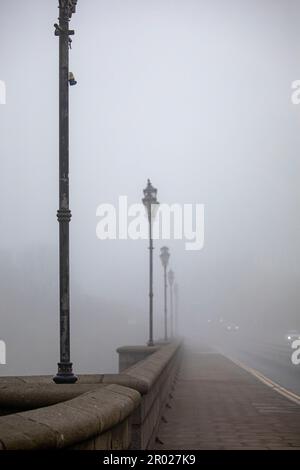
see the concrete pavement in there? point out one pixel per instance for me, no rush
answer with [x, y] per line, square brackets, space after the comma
[218, 405]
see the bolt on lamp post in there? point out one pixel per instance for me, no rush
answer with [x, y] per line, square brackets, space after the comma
[171, 278]
[165, 256]
[151, 205]
[66, 9]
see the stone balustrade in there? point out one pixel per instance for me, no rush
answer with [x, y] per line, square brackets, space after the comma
[108, 411]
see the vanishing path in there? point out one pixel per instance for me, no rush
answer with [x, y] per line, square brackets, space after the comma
[218, 405]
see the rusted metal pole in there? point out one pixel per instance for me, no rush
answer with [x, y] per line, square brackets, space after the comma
[65, 370]
[164, 257]
[150, 342]
[176, 295]
[150, 202]
[172, 311]
[171, 278]
[165, 303]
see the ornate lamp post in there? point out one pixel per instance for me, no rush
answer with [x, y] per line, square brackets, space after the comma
[151, 204]
[176, 294]
[164, 256]
[171, 278]
[66, 9]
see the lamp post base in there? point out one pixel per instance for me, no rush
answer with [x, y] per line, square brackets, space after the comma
[65, 374]
[150, 343]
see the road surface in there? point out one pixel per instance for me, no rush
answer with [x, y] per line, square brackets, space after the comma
[271, 358]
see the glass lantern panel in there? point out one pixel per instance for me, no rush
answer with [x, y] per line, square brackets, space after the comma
[154, 210]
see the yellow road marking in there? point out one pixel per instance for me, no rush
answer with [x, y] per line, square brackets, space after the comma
[275, 386]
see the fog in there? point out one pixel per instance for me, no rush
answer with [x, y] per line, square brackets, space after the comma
[195, 95]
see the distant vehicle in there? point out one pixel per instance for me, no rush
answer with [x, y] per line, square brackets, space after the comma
[292, 336]
[232, 327]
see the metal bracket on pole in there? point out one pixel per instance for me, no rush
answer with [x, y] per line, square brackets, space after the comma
[58, 31]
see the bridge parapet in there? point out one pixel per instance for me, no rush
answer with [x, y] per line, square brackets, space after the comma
[98, 419]
[158, 371]
[100, 411]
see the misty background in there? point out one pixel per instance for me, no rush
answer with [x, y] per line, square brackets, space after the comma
[195, 95]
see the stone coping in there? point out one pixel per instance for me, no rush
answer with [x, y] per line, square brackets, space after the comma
[139, 348]
[150, 368]
[68, 423]
[27, 393]
[21, 393]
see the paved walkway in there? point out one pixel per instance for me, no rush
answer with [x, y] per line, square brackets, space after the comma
[218, 405]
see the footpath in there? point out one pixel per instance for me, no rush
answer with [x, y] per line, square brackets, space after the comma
[216, 404]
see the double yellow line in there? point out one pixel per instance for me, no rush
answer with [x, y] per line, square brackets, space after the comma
[275, 386]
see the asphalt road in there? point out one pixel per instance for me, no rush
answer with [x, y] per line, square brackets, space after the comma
[272, 359]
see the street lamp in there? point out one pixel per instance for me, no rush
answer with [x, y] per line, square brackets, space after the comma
[171, 278]
[66, 9]
[151, 205]
[165, 256]
[176, 295]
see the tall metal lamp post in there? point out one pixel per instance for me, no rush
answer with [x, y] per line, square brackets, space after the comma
[151, 205]
[66, 9]
[176, 295]
[165, 256]
[171, 278]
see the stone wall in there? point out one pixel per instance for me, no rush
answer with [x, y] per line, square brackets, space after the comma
[158, 372]
[97, 419]
[108, 411]
[130, 355]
